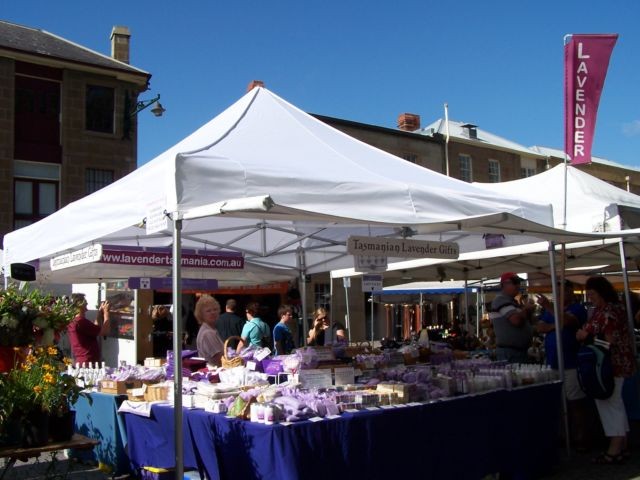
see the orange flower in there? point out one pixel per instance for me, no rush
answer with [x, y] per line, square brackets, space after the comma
[52, 351]
[48, 378]
[37, 389]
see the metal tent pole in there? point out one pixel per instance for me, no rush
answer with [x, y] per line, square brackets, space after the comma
[302, 267]
[177, 348]
[557, 310]
[466, 306]
[627, 293]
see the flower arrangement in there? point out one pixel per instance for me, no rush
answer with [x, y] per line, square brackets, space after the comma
[30, 316]
[38, 385]
[40, 382]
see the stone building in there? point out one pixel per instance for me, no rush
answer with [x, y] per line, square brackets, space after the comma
[67, 120]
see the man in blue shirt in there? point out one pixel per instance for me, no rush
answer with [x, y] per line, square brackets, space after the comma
[282, 338]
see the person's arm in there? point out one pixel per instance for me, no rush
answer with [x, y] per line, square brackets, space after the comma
[544, 327]
[318, 326]
[243, 341]
[212, 348]
[104, 312]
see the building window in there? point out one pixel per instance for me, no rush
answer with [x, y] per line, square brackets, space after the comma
[321, 296]
[410, 157]
[96, 178]
[99, 104]
[494, 171]
[33, 200]
[37, 120]
[527, 167]
[466, 171]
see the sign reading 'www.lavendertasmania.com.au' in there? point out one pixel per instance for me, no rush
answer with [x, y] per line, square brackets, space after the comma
[399, 247]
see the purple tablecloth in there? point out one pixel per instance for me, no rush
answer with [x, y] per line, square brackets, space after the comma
[514, 432]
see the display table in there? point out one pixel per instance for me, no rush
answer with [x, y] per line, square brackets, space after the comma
[514, 432]
[99, 419]
[151, 439]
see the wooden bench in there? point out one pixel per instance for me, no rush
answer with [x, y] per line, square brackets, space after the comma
[23, 454]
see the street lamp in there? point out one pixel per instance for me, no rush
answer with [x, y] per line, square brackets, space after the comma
[157, 110]
[131, 110]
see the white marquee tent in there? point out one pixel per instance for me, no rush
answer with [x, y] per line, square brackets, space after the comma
[264, 178]
[268, 180]
[592, 204]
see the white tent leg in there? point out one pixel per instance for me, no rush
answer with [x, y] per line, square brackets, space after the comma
[177, 347]
[557, 311]
[627, 296]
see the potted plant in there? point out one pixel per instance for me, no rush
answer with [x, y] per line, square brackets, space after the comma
[35, 393]
[29, 317]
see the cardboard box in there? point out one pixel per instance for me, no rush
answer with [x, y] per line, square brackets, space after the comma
[118, 387]
[154, 362]
[156, 392]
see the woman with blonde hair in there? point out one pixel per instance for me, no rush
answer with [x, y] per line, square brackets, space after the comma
[317, 335]
[209, 344]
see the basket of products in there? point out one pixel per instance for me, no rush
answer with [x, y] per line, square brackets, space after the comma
[231, 362]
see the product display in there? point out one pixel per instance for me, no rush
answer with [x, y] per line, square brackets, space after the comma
[317, 382]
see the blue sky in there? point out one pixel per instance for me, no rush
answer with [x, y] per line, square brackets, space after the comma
[498, 63]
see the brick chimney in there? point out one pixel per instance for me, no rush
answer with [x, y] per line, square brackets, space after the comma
[120, 37]
[409, 122]
[255, 83]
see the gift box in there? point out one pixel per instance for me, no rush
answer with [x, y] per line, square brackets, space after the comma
[118, 387]
[156, 392]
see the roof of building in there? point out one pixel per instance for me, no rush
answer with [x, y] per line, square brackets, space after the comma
[44, 44]
[367, 126]
[554, 152]
[458, 131]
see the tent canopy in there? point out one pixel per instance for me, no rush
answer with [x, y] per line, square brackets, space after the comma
[266, 179]
[593, 205]
[426, 288]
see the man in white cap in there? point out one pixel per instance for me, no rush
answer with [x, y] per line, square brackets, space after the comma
[510, 321]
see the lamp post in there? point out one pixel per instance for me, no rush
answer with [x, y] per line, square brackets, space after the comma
[131, 111]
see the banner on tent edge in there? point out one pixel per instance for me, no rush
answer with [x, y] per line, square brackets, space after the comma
[164, 258]
[166, 283]
[402, 247]
[89, 254]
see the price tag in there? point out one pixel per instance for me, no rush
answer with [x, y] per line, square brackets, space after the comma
[251, 365]
[285, 424]
[352, 410]
[373, 408]
[331, 417]
[316, 419]
[262, 354]
[387, 406]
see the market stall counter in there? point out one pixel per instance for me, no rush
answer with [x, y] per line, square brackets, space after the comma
[509, 431]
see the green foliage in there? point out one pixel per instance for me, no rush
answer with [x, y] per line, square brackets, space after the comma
[38, 383]
[28, 315]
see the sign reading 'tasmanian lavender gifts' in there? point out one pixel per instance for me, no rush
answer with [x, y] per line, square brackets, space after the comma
[401, 247]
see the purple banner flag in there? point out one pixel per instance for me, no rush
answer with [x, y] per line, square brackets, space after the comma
[586, 59]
